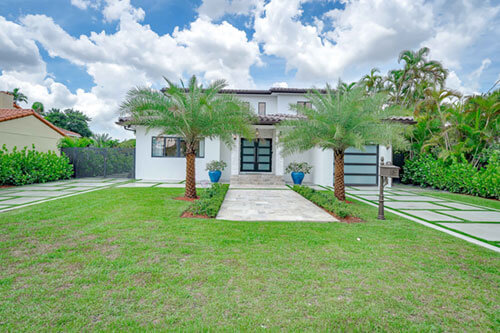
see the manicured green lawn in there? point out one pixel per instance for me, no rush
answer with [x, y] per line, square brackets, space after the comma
[465, 199]
[122, 259]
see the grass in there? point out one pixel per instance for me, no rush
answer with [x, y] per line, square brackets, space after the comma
[122, 259]
[467, 199]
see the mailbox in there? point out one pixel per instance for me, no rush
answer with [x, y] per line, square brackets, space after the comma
[389, 170]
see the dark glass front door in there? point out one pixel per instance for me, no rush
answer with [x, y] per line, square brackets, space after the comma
[256, 155]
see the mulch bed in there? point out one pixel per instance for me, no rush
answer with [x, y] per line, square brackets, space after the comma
[186, 199]
[191, 215]
[6, 186]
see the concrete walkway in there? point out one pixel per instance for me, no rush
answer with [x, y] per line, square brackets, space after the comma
[22, 196]
[247, 204]
[473, 220]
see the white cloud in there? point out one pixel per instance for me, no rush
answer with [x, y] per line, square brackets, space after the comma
[122, 10]
[471, 83]
[133, 55]
[84, 4]
[364, 32]
[215, 9]
[280, 85]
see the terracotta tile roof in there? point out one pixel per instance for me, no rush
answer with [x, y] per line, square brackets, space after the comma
[270, 119]
[403, 119]
[269, 91]
[276, 118]
[69, 133]
[9, 114]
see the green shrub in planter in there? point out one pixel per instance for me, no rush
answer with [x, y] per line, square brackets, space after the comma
[210, 200]
[20, 167]
[326, 200]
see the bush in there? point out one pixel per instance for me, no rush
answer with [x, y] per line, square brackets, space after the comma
[299, 167]
[31, 166]
[210, 200]
[216, 166]
[325, 200]
[454, 176]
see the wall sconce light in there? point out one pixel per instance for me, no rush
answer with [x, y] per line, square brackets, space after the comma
[256, 133]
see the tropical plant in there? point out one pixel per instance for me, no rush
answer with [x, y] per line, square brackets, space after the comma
[38, 107]
[69, 119]
[372, 82]
[299, 167]
[69, 142]
[419, 73]
[28, 166]
[338, 121]
[19, 96]
[193, 112]
[215, 166]
[130, 143]
[104, 140]
[344, 87]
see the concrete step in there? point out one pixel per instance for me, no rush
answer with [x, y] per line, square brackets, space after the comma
[257, 179]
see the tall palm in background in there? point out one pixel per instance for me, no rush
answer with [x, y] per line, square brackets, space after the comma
[104, 140]
[373, 82]
[407, 85]
[38, 107]
[19, 96]
[337, 121]
[193, 113]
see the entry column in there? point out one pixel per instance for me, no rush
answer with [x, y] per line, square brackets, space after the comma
[279, 169]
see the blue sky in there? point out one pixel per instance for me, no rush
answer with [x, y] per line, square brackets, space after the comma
[86, 54]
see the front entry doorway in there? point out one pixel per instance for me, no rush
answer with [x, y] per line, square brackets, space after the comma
[256, 155]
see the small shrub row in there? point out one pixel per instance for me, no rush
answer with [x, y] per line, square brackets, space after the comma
[20, 167]
[325, 200]
[454, 176]
[210, 200]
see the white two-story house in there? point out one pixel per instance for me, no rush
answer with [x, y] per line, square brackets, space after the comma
[160, 157]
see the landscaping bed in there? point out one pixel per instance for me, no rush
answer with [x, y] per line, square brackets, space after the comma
[326, 200]
[209, 202]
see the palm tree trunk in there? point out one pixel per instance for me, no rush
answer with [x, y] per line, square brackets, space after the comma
[339, 186]
[190, 175]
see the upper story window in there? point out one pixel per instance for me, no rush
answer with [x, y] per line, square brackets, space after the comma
[304, 103]
[262, 108]
[163, 146]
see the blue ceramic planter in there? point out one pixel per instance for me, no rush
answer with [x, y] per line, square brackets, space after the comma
[214, 176]
[297, 177]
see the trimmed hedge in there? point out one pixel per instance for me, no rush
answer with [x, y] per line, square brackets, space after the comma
[210, 200]
[20, 167]
[325, 200]
[454, 176]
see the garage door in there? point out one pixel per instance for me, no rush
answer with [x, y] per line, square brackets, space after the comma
[360, 167]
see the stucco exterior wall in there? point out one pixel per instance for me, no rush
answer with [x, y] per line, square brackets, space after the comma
[169, 168]
[28, 131]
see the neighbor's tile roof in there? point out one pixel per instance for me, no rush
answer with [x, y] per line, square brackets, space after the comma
[9, 114]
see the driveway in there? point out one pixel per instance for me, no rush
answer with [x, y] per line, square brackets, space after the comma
[247, 204]
[22, 196]
[473, 220]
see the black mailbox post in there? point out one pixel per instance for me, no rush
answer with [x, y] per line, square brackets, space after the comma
[387, 170]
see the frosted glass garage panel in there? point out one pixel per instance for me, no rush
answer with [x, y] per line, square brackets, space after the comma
[368, 169]
[365, 180]
[360, 158]
[368, 150]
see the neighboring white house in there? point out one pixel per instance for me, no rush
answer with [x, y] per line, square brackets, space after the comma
[160, 157]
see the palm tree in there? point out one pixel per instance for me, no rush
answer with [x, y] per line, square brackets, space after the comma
[194, 113]
[435, 104]
[344, 87]
[38, 107]
[337, 121]
[373, 81]
[104, 140]
[19, 96]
